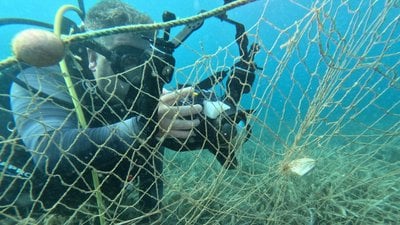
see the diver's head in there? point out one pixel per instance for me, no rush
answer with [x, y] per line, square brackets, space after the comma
[123, 69]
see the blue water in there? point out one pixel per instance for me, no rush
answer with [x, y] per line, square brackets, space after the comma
[363, 104]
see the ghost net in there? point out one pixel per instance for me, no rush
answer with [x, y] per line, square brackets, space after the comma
[324, 143]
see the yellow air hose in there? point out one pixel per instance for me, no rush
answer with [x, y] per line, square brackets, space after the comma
[63, 65]
[75, 99]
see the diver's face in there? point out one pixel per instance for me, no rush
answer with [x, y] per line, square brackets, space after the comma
[115, 78]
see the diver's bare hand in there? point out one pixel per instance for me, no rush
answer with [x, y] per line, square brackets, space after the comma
[171, 116]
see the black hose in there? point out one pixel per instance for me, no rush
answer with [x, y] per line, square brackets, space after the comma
[82, 8]
[12, 21]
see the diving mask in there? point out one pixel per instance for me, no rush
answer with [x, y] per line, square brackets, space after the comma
[124, 57]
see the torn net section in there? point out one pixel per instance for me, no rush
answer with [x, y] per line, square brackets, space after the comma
[328, 90]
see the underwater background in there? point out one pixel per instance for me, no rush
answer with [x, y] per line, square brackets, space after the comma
[329, 89]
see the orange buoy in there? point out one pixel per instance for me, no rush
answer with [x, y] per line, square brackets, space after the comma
[38, 47]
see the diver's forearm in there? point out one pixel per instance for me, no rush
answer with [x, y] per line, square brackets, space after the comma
[68, 150]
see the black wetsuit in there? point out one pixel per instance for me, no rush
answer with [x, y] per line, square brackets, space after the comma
[63, 152]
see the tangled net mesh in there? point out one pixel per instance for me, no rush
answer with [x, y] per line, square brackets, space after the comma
[329, 90]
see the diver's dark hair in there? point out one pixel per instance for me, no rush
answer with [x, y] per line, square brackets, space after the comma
[112, 13]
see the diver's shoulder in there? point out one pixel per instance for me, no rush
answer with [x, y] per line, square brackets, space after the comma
[47, 80]
[49, 73]
[43, 77]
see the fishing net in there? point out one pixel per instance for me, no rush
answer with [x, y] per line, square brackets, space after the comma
[327, 95]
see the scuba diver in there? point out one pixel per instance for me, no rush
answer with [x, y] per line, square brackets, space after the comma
[130, 117]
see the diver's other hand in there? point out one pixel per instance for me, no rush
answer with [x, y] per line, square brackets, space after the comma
[171, 116]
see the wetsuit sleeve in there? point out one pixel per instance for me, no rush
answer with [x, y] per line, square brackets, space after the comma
[51, 131]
